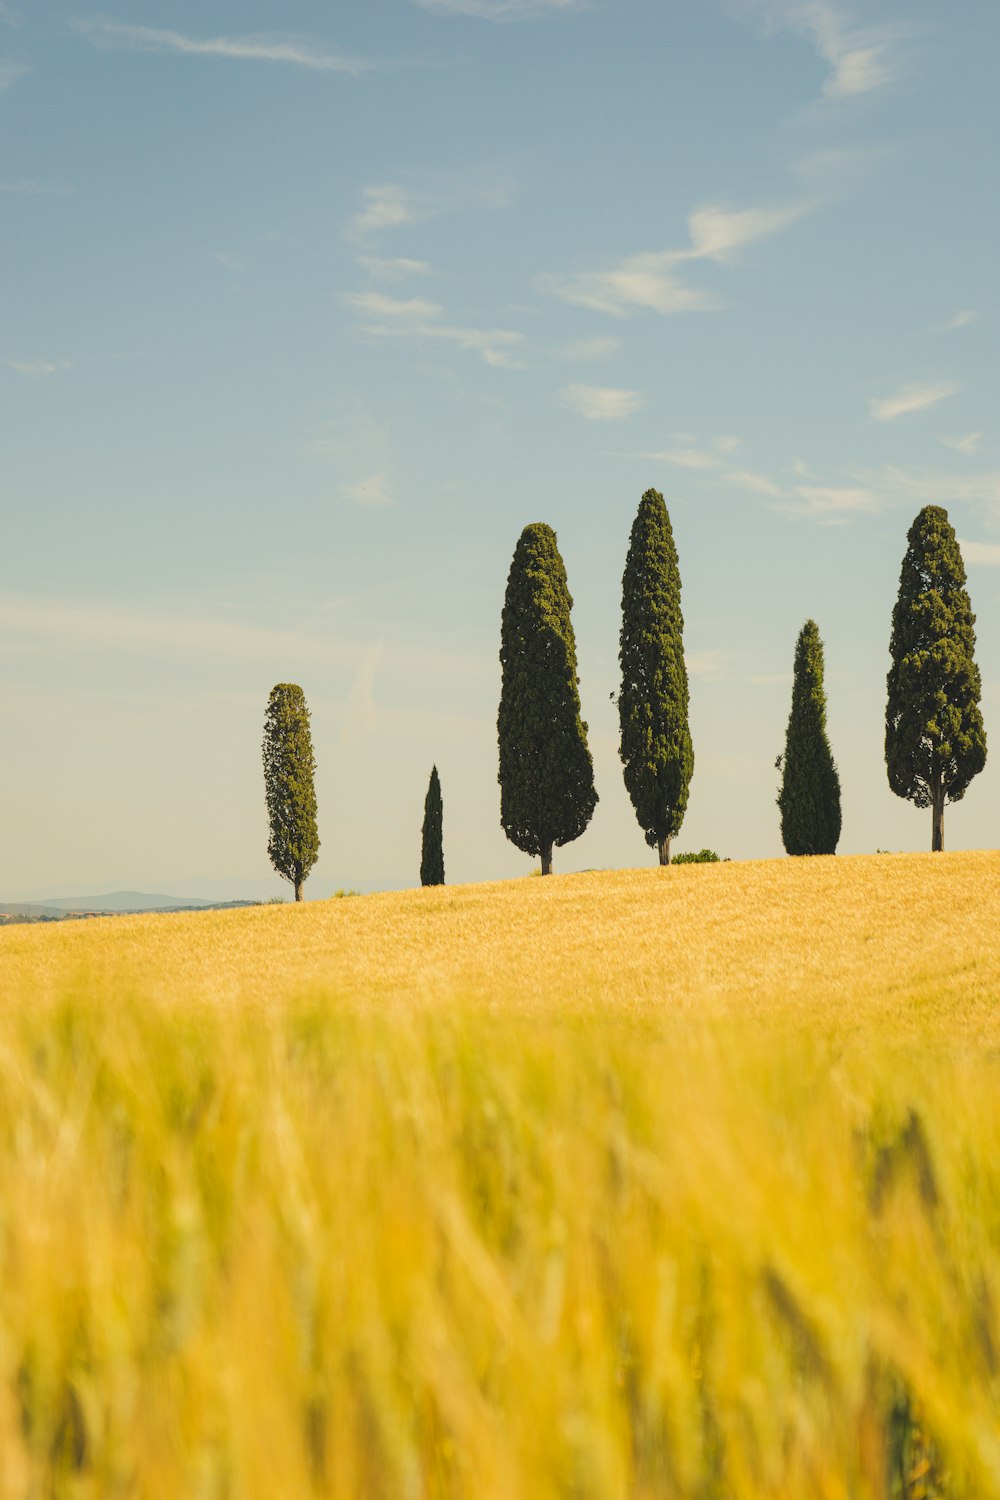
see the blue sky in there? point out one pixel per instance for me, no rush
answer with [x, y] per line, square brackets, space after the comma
[308, 309]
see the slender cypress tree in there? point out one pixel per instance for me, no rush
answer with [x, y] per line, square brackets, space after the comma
[289, 767]
[546, 774]
[810, 787]
[432, 846]
[656, 750]
[935, 742]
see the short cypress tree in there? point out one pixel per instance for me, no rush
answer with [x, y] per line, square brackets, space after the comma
[935, 742]
[810, 787]
[656, 751]
[432, 846]
[289, 768]
[546, 775]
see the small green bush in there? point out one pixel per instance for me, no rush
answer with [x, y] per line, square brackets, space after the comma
[703, 857]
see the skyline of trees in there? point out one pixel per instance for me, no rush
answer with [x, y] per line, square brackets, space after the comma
[935, 741]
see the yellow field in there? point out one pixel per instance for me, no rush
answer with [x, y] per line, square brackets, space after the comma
[630, 1184]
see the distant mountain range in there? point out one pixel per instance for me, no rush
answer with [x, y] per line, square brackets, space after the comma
[54, 908]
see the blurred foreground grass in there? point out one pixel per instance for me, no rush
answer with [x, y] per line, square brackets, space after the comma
[637, 1184]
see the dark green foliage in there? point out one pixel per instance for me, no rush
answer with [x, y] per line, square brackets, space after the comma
[809, 798]
[432, 846]
[289, 767]
[546, 774]
[935, 742]
[656, 750]
[703, 857]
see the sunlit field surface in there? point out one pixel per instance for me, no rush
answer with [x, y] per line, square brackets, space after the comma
[626, 1184]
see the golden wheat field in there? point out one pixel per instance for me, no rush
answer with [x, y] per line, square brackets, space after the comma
[676, 1183]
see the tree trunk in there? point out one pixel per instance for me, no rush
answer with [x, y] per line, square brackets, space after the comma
[298, 890]
[663, 849]
[937, 823]
[546, 859]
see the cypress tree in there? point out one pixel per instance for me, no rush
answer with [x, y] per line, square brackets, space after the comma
[935, 742]
[810, 787]
[656, 751]
[546, 774]
[432, 847]
[289, 767]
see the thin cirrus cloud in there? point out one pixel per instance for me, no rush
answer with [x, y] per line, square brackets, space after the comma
[370, 493]
[38, 369]
[980, 554]
[911, 398]
[962, 319]
[297, 51]
[391, 205]
[499, 10]
[597, 403]
[859, 59]
[650, 280]
[968, 444]
[396, 268]
[10, 73]
[416, 318]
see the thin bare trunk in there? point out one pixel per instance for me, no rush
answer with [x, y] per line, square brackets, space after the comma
[547, 859]
[937, 823]
[663, 849]
[298, 890]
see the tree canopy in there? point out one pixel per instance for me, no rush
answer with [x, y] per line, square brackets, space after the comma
[546, 775]
[935, 742]
[810, 788]
[656, 750]
[289, 769]
[432, 843]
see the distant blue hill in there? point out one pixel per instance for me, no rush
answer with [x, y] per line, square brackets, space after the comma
[118, 902]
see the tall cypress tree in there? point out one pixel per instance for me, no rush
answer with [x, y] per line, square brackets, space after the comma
[810, 787]
[656, 750]
[546, 774]
[935, 742]
[432, 846]
[289, 767]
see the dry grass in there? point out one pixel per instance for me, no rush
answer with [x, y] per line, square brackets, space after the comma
[630, 1184]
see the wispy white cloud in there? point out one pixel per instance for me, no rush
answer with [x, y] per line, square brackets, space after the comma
[499, 10]
[831, 502]
[601, 403]
[370, 493]
[935, 487]
[37, 369]
[396, 268]
[717, 232]
[970, 443]
[685, 458]
[770, 679]
[388, 206]
[980, 554]
[860, 59]
[361, 713]
[640, 281]
[599, 347]
[757, 484]
[258, 47]
[395, 205]
[416, 318]
[650, 280]
[910, 399]
[10, 72]
[962, 319]
[707, 663]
